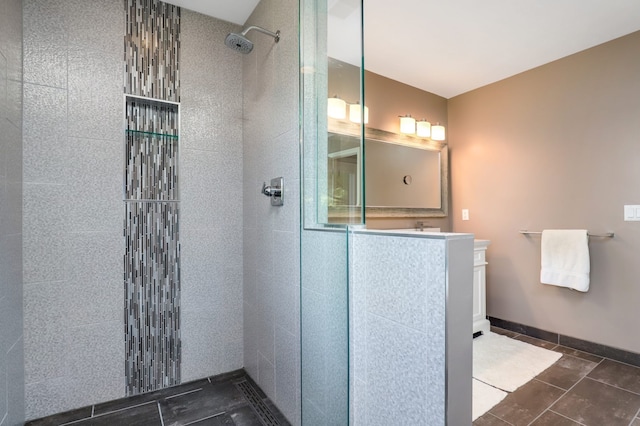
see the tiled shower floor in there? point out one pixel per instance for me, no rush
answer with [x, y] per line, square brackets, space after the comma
[579, 389]
[231, 399]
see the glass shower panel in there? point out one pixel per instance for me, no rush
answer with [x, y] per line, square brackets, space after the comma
[333, 93]
[332, 200]
[324, 328]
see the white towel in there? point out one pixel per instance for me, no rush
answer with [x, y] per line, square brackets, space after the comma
[565, 258]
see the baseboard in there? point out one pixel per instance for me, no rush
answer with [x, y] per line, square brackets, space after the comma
[571, 342]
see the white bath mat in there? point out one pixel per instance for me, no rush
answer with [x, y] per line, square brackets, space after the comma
[485, 397]
[504, 364]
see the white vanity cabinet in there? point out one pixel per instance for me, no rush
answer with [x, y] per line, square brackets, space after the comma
[480, 321]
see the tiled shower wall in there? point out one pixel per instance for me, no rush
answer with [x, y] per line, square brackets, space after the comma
[271, 234]
[11, 314]
[73, 204]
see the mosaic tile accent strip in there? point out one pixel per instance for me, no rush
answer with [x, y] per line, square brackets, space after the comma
[152, 296]
[152, 49]
[151, 224]
[151, 169]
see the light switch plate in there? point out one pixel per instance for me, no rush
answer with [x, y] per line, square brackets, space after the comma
[631, 213]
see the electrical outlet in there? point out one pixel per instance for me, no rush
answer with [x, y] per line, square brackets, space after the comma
[465, 214]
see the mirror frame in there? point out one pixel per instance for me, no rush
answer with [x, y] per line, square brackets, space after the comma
[355, 130]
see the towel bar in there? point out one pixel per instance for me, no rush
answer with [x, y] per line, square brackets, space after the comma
[607, 235]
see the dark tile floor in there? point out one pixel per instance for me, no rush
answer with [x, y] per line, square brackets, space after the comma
[579, 389]
[231, 399]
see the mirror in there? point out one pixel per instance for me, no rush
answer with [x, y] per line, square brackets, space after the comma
[404, 176]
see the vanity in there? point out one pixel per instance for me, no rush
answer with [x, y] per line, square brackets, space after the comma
[480, 321]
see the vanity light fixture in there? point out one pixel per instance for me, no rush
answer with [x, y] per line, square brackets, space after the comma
[355, 113]
[407, 124]
[423, 128]
[437, 132]
[336, 108]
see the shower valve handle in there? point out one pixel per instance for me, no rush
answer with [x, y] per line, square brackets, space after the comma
[271, 191]
[275, 191]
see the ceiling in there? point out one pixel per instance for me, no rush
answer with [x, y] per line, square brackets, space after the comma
[451, 47]
[235, 11]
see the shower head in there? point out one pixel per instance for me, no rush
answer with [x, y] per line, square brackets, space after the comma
[238, 42]
[242, 44]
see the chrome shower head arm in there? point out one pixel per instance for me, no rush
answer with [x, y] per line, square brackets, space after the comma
[275, 35]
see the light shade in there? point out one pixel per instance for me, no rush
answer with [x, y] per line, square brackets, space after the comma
[355, 113]
[336, 108]
[423, 129]
[407, 125]
[437, 132]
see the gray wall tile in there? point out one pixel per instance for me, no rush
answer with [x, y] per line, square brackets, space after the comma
[93, 267]
[266, 375]
[314, 351]
[11, 222]
[212, 128]
[44, 222]
[3, 88]
[211, 342]
[397, 290]
[15, 384]
[287, 281]
[95, 25]
[3, 380]
[44, 331]
[287, 378]
[94, 191]
[50, 63]
[13, 167]
[13, 292]
[45, 43]
[11, 286]
[45, 134]
[208, 199]
[11, 37]
[13, 106]
[95, 93]
[250, 326]
[396, 356]
[94, 362]
[47, 397]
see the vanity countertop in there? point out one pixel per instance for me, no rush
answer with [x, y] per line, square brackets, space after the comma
[433, 233]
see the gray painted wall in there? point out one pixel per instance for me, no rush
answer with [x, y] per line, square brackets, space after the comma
[555, 147]
[11, 312]
[271, 234]
[73, 209]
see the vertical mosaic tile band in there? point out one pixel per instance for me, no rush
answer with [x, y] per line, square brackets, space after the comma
[152, 311]
[151, 49]
[151, 224]
[152, 254]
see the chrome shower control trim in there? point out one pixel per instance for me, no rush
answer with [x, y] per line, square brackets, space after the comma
[275, 191]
